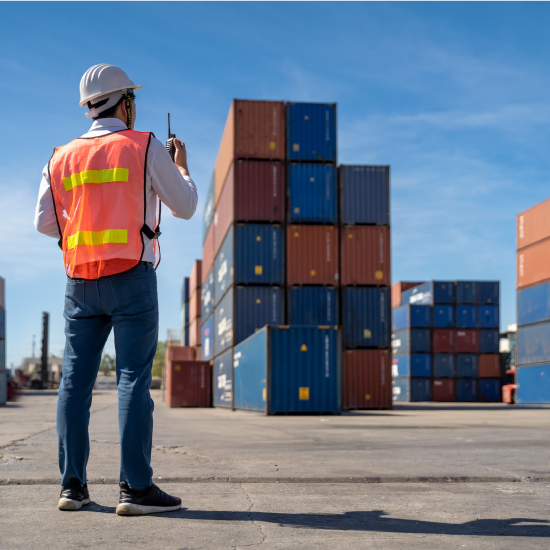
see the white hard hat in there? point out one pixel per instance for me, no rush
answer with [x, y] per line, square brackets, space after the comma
[105, 82]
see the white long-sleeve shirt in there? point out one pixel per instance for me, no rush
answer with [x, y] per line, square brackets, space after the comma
[163, 179]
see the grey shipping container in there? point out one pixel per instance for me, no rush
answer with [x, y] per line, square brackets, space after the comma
[222, 380]
[533, 344]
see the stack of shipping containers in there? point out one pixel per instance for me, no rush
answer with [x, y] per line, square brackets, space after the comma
[446, 341]
[533, 303]
[195, 309]
[185, 312]
[3, 375]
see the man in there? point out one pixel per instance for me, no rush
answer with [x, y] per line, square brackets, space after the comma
[100, 196]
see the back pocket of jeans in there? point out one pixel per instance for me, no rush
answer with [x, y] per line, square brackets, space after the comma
[75, 299]
[133, 296]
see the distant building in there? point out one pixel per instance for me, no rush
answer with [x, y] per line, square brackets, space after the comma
[30, 367]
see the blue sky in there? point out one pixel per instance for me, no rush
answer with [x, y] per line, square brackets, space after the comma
[453, 96]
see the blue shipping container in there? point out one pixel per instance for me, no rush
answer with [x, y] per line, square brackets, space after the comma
[489, 292]
[467, 292]
[414, 340]
[312, 193]
[443, 316]
[401, 390]
[186, 341]
[433, 292]
[444, 365]
[222, 380]
[364, 195]
[534, 304]
[185, 290]
[366, 317]
[411, 316]
[207, 294]
[186, 314]
[466, 316]
[489, 341]
[488, 316]
[533, 344]
[411, 389]
[401, 366]
[289, 370]
[208, 209]
[313, 305]
[466, 365]
[207, 340]
[311, 131]
[2, 324]
[533, 385]
[466, 390]
[490, 390]
[416, 365]
[244, 310]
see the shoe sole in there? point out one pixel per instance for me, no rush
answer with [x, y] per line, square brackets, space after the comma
[140, 510]
[69, 505]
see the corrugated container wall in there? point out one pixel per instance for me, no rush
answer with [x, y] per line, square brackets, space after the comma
[207, 294]
[433, 292]
[311, 131]
[195, 278]
[208, 252]
[208, 210]
[533, 344]
[2, 324]
[533, 225]
[466, 390]
[195, 305]
[365, 255]
[312, 255]
[411, 316]
[189, 384]
[312, 305]
[222, 380]
[533, 264]
[397, 289]
[534, 304]
[414, 340]
[489, 365]
[207, 339]
[364, 195]
[489, 292]
[467, 292]
[533, 384]
[490, 390]
[443, 340]
[195, 333]
[444, 390]
[185, 290]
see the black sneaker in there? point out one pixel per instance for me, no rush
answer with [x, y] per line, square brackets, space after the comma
[147, 501]
[73, 496]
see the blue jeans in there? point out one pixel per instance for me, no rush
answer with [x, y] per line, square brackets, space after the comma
[128, 303]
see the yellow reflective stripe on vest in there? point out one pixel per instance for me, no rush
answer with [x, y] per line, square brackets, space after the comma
[95, 176]
[94, 238]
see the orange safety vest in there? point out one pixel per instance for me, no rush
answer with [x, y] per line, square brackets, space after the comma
[98, 188]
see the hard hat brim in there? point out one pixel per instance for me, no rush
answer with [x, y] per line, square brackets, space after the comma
[84, 102]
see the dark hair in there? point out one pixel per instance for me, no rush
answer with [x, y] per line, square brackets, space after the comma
[108, 113]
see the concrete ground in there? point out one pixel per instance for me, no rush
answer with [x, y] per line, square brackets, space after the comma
[421, 476]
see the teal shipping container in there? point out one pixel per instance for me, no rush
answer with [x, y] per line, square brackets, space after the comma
[286, 370]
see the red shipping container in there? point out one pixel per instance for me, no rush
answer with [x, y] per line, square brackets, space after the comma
[195, 279]
[533, 264]
[195, 335]
[207, 253]
[533, 225]
[254, 191]
[365, 255]
[444, 390]
[195, 305]
[443, 340]
[254, 130]
[179, 353]
[488, 365]
[397, 289]
[367, 379]
[466, 341]
[312, 255]
[189, 384]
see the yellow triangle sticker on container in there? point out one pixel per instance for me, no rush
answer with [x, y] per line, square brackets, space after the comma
[379, 275]
[350, 235]
[272, 145]
[258, 270]
[303, 348]
[367, 397]
[296, 234]
[258, 301]
[264, 394]
[304, 394]
[296, 147]
[177, 367]
[367, 333]
[258, 238]
[312, 272]
[312, 179]
[296, 210]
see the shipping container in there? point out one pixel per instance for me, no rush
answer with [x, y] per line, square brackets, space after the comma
[401, 390]
[195, 333]
[207, 340]
[311, 192]
[208, 252]
[254, 130]
[489, 292]
[179, 353]
[365, 255]
[466, 316]
[311, 131]
[467, 292]
[443, 340]
[289, 370]
[415, 365]
[467, 365]
[195, 279]
[185, 290]
[208, 210]
[222, 380]
[414, 340]
[207, 294]
[2, 355]
[195, 304]
[366, 317]
[533, 385]
[467, 341]
[533, 225]
[397, 289]
[534, 304]
[366, 379]
[411, 390]
[189, 384]
[312, 305]
[364, 195]
[488, 316]
[443, 316]
[411, 316]
[244, 310]
[444, 390]
[489, 341]
[490, 390]
[186, 339]
[489, 365]
[433, 292]
[444, 365]
[533, 264]
[533, 344]
[312, 255]
[466, 390]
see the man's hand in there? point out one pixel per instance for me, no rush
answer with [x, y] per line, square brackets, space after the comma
[180, 157]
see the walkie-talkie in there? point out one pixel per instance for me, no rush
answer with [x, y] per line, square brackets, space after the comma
[170, 147]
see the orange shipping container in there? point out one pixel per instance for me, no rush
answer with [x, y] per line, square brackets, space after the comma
[195, 279]
[533, 264]
[312, 255]
[195, 303]
[488, 365]
[365, 255]
[189, 384]
[254, 130]
[207, 253]
[533, 225]
[223, 215]
[367, 379]
[397, 289]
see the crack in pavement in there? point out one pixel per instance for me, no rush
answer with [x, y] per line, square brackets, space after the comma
[251, 515]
